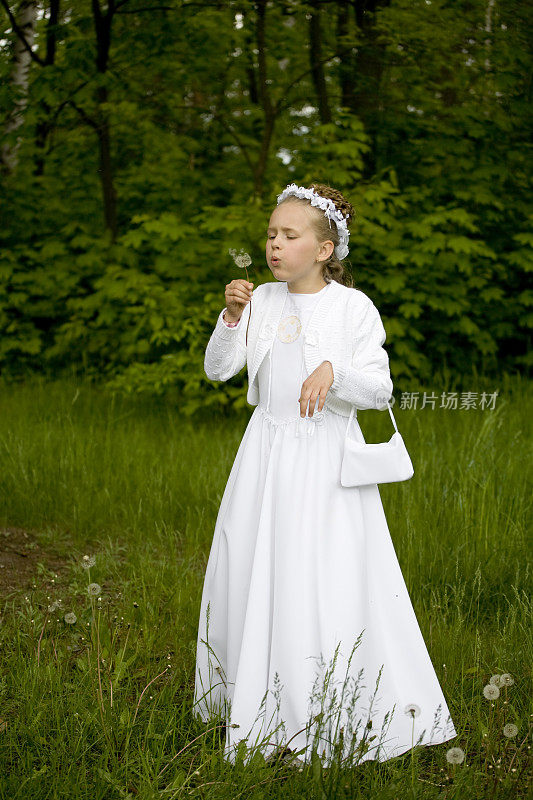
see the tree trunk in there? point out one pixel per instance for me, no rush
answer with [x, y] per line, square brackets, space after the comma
[19, 80]
[43, 127]
[367, 75]
[102, 26]
[264, 97]
[346, 69]
[106, 170]
[317, 68]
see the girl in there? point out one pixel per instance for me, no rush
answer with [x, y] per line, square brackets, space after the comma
[307, 634]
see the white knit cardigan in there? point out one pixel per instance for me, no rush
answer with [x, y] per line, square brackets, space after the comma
[345, 329]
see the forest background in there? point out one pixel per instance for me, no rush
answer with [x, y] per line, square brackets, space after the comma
[143, 140]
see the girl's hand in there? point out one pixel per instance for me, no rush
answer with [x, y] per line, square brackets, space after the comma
[238, 294]
[317, 383]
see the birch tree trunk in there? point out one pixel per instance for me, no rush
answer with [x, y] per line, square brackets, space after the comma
[25, 18]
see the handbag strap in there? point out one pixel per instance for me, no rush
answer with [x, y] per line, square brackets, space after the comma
[390, 412]
[392, 417]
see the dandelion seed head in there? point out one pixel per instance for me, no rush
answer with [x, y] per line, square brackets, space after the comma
[70, 618]
[491, 691]
[88, 561]
[412, 709]
[495, 680]
[510, 730]
[94, 589]
[506, 679]
[241, 258]
[455, 755]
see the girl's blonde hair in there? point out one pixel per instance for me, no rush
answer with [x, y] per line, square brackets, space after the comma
[332, 269]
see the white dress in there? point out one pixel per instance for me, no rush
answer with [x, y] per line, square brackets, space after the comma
[302, 569]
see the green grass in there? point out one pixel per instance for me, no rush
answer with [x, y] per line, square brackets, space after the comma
[137, 484]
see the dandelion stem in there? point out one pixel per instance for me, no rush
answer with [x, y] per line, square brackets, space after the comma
[524, 740]
[242, 260]
[143, 691]
[40, 637]
[98, 691]
[250, 315]
[100, 694]
[412, 754]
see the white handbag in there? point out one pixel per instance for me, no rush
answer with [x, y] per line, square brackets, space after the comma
[385, 462]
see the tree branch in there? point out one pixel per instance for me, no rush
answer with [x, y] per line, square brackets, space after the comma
[84, 116]
[279, 104]
[222, 120]
[20, 34]
[148, 8]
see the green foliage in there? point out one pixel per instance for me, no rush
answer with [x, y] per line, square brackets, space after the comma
[436, 166]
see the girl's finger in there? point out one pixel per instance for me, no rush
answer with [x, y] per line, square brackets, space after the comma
[240, 297]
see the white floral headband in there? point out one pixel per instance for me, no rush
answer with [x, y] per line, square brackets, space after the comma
[330, 210]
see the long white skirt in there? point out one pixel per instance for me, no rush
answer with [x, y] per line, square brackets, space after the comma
[311, 640]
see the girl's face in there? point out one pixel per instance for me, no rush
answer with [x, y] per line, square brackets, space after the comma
[292, 250]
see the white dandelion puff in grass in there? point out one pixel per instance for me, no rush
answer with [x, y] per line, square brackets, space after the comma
[70, 618]
[495, 680]
[510, 730]
[411, 709]
[506, 679]
[88, 561]
[455, 755]
[94, 589]
[491, 692]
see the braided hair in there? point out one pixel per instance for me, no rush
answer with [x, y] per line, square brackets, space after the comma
[332, 268]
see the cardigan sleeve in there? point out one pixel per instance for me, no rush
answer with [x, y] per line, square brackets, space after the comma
[366, 382]
[225, 354]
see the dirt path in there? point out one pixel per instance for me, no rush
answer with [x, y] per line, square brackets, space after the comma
[20, 556]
